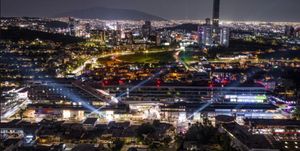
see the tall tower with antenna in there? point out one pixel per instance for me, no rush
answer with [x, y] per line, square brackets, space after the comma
[216, 13]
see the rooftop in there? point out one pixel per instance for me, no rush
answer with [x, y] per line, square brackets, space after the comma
[90, 121]
[194, 106]
[251, 141]
[273, 122]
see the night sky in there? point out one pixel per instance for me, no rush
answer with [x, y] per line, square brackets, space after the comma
[264, 10]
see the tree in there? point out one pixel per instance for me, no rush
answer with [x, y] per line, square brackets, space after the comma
[21, 113]
[117, 145]
[179, 139]
[225, 142]
[154, 146]
[203, 134]
[143, 131]
[296, 113]
[167, 140]
[156, 123]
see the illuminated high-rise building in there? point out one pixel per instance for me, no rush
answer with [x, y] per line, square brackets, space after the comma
[215, 35]
[205, 35]
[119, 26]
[224, 37]
[211, 35]
[289, 30]
[129, 38]
[207, 21]
[98, 36]
[297, 32]
[157, 40]
[146, 29]
[72, 26]
[216, 13]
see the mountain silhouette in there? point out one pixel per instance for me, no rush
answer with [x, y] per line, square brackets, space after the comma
[109, 14]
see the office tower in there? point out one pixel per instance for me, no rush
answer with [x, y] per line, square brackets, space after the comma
[297, 33]
[215, 35]
[211, 35]
[205, 35]
[289, 30]
[72, 24]
[148, 23]
[216, 12]
[157, 40]
[88, 28]
[119, 26]
[224, 37]
[207, 21]
[118, 37]
[98, 36]
[129, 38]
[146, 29]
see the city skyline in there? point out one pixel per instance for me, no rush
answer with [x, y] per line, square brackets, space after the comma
[238, 10]
[81, 76]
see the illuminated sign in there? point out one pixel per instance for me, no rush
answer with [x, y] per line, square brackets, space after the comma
[279, 130]
[246, 98]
